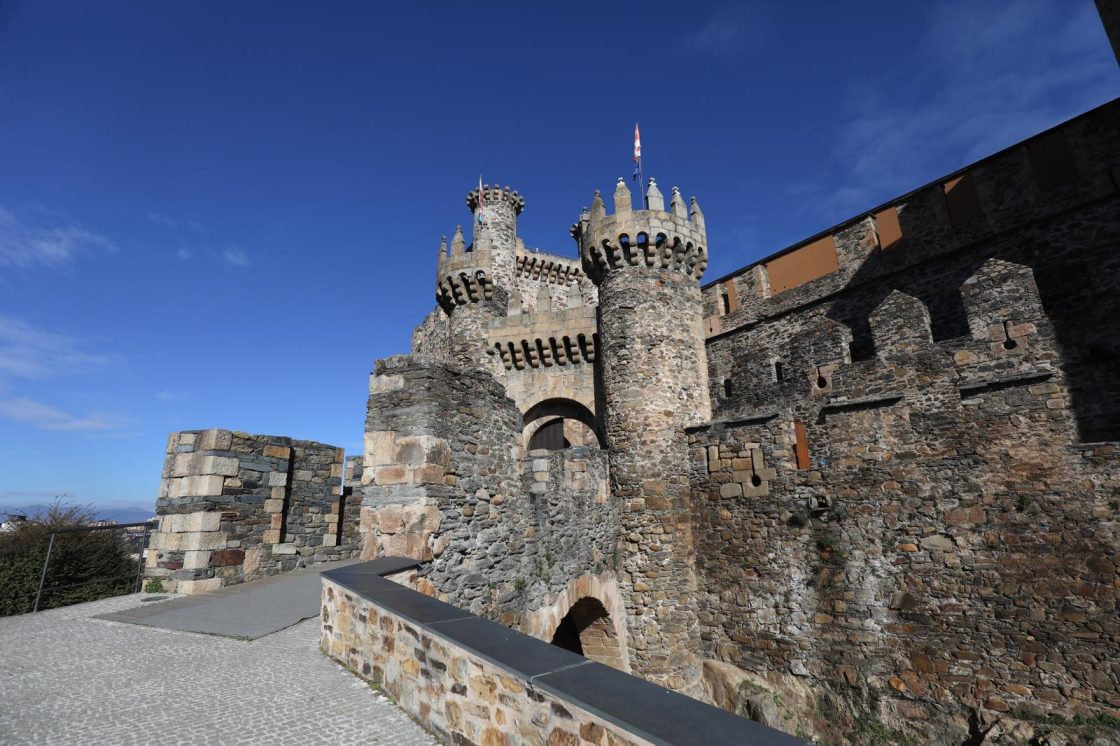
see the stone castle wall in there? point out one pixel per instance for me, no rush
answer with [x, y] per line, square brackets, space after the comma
[445, 481]
[902, 501]
[1048, 204]
[235, 507]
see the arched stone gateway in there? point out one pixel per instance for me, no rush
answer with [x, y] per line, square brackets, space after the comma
[587, 629]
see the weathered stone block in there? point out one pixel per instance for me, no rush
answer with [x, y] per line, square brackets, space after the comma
[280, 452]
[195, 587]
[203, 540]
[386, 475]
[224, 465]
[196, 560]
[214, 440]
[227, 557]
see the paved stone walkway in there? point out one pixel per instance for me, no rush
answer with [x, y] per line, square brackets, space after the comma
[68, 678]
[246, 611]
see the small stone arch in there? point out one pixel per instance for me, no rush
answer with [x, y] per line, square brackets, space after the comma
[582, 427]
[587, 630]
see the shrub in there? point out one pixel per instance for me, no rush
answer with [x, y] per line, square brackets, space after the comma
[84, 566]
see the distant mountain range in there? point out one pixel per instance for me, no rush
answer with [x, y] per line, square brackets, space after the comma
[118, 513]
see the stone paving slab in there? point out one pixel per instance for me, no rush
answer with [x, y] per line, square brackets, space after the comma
[68, 677]
[247, 611]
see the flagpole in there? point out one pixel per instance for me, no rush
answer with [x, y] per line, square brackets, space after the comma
[642, 182]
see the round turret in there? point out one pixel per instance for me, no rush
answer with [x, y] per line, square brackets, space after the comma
[674, 239]
[653, 375]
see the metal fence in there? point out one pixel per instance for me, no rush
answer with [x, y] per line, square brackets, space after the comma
[48, 567]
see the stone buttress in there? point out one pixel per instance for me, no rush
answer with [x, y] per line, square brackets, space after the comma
[653, 370]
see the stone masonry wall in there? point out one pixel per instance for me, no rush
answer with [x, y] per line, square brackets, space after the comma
[456, 693]
[938, 545]
[235, 507]
[431, 339]
[445, 482]
[1066, 231]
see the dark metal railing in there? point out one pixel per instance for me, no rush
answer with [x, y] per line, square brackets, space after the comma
[131, 540]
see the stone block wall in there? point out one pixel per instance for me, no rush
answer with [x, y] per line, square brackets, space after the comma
[458, 695]
[470, 682]
[1066, 232]
[445, 482]
[235, 507]
[925, 539]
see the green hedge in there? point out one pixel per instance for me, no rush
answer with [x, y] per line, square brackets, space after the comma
[84, 566]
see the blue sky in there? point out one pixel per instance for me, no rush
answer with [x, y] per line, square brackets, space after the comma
[218, 214]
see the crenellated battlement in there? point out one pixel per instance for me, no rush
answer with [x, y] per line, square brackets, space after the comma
[654, 237]
[495, 195]
[462, 276]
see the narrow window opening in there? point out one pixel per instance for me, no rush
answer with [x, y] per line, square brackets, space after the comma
[725, 300]
[962, 200]
[1052, 160]
[888, 228]
[802, 449]
[779, 371]
[728, 389]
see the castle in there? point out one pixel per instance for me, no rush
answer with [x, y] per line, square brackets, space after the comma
[875, 471]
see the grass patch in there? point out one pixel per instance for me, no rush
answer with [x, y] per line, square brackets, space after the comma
[1100, 721]
[869, 731]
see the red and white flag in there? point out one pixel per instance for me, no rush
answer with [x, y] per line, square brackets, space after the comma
[637, 153]
[481, 199]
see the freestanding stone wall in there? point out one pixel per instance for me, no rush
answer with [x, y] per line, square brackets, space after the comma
[235, 507]
[653, 377]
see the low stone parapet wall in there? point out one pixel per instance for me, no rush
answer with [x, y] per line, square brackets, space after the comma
[472, 681]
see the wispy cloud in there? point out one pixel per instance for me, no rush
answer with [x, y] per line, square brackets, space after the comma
[908, 128]
[731, 28]
[46, 417]
[184, 254]
[167, 221]
[170, 396]
[31, 238]
[235, 258]
[27, 351]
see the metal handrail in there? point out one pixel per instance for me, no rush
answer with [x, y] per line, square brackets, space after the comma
[79, 529]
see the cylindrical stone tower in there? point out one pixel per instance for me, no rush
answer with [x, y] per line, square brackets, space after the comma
[473, 283]
[495, 214]
[647, 265]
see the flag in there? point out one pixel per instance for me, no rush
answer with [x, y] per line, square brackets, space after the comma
[480, 200]
[637, 152]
